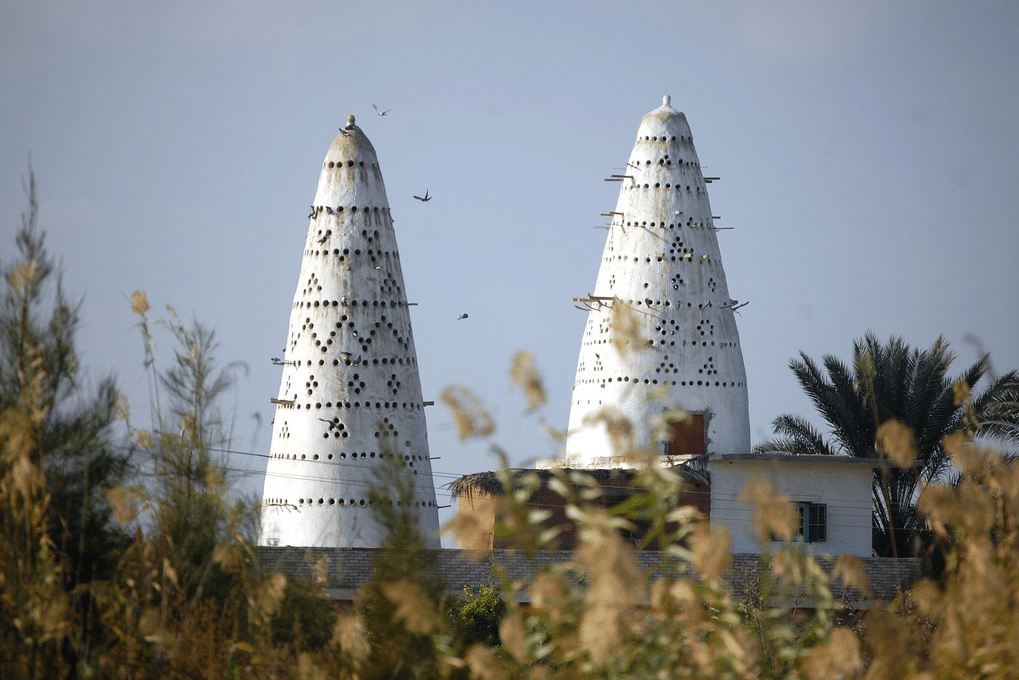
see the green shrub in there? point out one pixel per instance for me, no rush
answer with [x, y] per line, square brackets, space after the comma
[305, 617]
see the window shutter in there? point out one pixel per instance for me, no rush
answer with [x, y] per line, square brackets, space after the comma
[688, 438]
[818, 523]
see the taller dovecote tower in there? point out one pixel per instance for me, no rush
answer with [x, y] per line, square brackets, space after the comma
[350, 395]
[661, 259]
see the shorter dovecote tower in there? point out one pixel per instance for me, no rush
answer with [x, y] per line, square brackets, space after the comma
[662, 262]
[350, 396]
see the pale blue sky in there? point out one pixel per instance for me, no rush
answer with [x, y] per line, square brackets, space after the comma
[868, 155]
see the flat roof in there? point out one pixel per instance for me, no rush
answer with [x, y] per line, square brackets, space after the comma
[811, 459]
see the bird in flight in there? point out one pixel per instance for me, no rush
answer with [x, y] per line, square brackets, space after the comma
[462, 316]
[426, 197]
[379, 111]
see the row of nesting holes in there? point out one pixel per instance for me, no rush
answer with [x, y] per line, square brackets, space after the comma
[329, 210]
[653, 303]
[659, 186]
[348, 362]
[372, 254]
[363, 502]
[665, 139]
[351, 303]
[409, 459]
[660, 257]
[364, 233]
[690, 223]
[340, 501]
[665, 160]
[356, 404]
[651, 343]
[676, 247]
[339, 164]
[649, 381]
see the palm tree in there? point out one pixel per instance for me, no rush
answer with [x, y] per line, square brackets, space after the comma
[892, 381]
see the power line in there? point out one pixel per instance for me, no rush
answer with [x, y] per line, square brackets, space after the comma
[726, 502]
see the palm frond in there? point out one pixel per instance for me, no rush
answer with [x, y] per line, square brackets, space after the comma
[801, 438]
[854, 426]
[997, 408]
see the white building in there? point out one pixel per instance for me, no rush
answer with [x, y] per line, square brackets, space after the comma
[662, 263]
[350, 396]
[832, 495]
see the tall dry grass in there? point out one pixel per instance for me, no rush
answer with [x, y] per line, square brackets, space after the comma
[597, 615]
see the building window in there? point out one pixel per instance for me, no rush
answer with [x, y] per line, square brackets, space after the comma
[813, 522]
[688, 439]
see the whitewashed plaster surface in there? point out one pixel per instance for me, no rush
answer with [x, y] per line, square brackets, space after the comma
[350, 394]
[661, 258]
[840, 482]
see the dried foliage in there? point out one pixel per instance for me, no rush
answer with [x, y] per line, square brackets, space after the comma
[596, 615]
[58, 463]
[525, 375]
[625, 328]
[470, 417]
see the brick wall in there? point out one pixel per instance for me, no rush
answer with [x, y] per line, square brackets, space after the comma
[347, 569]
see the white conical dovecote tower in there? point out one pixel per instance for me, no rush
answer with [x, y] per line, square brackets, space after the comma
[350, 394]
[662, 260]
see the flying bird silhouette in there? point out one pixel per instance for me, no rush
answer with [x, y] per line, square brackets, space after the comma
[462, 316]
[380, 112]
[425, 198]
